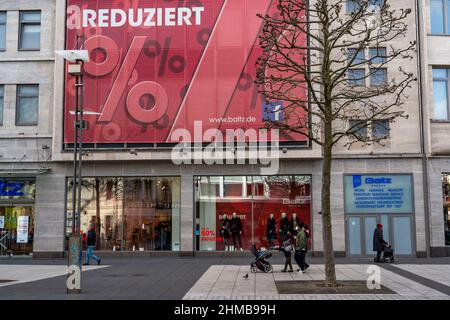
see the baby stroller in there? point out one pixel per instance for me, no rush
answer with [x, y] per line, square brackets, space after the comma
[260, 262]
[388, 255]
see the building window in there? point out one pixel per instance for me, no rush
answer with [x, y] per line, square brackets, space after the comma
[440, 93]
[355, 55]
[130, 213]
[377, 55]
[439, 13]
[378, 77]
[27, 105]
[380, 129]
[356, 77]
[355, 5]
[2, 95]
[358, 128]
[2, 30]
[265, 195]
[30, 30]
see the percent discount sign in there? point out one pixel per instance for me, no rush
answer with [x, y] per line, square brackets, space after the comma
[157, 66]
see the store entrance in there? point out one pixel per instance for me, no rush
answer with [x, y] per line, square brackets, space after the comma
[397, 230]
[16, 229]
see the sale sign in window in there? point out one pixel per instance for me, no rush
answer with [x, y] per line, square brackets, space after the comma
[161, 66]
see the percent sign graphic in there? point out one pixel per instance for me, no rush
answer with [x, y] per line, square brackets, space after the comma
[152, 49]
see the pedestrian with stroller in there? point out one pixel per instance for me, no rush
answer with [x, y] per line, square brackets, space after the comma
[287, 249]
[301, 249]
[225, 231]
[378, 241]
[271, 230]
[91, 241]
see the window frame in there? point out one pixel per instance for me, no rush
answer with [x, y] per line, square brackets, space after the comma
[365, 128]
[21, 23]
[372, 72]
[444, 4]
[18, 96]
[5, 24]
[352, 83]
[378, 55]
[447, 85]
[386, 122]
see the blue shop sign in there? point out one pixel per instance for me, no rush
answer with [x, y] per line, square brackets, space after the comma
[378, 193]
[23, 189]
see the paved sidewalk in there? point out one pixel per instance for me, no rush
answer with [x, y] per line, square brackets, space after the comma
[226, 282]
[151, 278]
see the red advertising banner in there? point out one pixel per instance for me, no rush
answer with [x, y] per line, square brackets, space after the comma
[158, 66]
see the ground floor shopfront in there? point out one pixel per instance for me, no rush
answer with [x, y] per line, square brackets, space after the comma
[160, 207]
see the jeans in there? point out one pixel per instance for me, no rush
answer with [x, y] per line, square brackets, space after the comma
[300, 256]
[90, 253]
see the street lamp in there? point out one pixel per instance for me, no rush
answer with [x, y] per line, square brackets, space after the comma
[77, 57]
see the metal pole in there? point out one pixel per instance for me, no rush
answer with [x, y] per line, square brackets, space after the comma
[80, 152]
[75, 146]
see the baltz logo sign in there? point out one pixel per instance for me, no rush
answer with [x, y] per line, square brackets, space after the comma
[357, 180]
[159, 66]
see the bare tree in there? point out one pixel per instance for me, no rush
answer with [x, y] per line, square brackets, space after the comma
[326, 62]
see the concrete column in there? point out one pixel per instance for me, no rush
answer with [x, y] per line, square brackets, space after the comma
[187, 213]
[49, 215]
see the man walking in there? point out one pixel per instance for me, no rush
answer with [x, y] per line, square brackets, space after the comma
[91, 241]
[301, 249]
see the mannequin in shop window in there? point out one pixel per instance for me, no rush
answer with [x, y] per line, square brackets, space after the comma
[225, 231]
[294, 224]
[285, 228]
[271, 230]
[236, 231]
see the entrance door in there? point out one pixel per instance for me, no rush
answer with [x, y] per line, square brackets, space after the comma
[397, 230]
[16, 229]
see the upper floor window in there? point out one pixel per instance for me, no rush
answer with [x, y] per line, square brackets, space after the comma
[2, 94]
[377, 55]
[355, 56]
[27, 105]
[358, 128]
[2, 30]
[30, 30]
[439, 13]
[356, 77]
[355, 5]
[441, 81]
[380, 129]
[378, 77]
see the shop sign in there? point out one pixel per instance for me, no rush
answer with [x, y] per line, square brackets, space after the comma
[151, 63]
[378, 194]
[11, 189]
[22, 229]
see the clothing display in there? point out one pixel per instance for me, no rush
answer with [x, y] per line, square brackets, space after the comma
[236, 229]
[271, 233]
[285, 229]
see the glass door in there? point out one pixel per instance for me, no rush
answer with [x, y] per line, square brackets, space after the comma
[402, 235]
[370, 223]
[354, 236]
[16, 229]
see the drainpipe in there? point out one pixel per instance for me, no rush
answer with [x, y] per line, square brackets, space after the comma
[423, 122]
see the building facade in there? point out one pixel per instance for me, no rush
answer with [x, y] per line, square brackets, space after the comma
[140, 200]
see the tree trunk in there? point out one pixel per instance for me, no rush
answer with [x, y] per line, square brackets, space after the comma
[327, 232]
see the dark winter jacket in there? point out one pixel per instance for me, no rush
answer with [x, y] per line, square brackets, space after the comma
[235, 225]
[91, 237]
[378, 240]
[285, 225]
[294, 223]
[271, 228]
[225, 228]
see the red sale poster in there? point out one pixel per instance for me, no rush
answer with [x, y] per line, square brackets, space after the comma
[158, 66]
